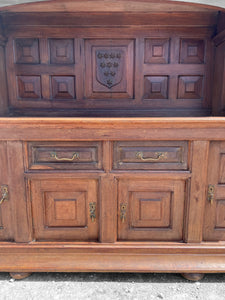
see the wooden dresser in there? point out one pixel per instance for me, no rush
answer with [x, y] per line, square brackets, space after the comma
[112, 137]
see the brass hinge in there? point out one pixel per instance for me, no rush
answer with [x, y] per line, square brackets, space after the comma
[211, 193]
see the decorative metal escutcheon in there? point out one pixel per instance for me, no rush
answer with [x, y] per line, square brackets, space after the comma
[123, 212]
[92, 210]
[4, 193]
[211, 193]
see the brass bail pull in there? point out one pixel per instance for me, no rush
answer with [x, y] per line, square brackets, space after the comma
[4, 193]
[74, 157]
[158, 156]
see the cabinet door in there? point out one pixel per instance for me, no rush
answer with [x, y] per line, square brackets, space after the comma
[65, 209]
[151, 210]
[5, 209]
[214, 222]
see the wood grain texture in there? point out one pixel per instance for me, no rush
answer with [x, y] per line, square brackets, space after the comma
[197, 196]
[21, 214]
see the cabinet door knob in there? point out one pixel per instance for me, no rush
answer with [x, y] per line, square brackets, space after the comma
[4, 193]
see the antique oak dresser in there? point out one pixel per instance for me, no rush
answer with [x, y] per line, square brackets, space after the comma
[112, 137]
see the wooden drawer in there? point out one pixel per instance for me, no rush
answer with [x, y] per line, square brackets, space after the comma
[65, 155]
[153, 155]
[65, 209]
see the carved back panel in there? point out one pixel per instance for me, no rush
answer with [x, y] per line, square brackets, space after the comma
[110, 71]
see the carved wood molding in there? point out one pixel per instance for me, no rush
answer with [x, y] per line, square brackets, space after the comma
[219, 38]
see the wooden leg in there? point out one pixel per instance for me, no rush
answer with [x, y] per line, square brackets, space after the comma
[193, 276]
[19, 275]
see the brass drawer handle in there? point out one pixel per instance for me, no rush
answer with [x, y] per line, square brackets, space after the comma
[159, 156]
[92, 209]
[74, 157]
[5, 193]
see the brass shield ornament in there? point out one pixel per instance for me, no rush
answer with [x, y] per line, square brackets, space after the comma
[109, 67]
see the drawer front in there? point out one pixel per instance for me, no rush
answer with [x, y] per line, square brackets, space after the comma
[65, 155]
[154, 155]
[65, 209]
[151, 210]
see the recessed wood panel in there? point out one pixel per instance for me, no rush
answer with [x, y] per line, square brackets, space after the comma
[61, 209]
[29, 87]
[63, 87]
[150, 210]
[192, 51]
[156, 87]
[190, 87]
[114, 73]
[27, 51]
[157, 51]
[61, 51]
[153, 155]
[65, 209]
[64, 155]
[109, 68]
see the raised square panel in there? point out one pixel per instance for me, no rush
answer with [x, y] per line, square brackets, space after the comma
[156, 87]
[157, 51]
[192, 51]
[63, 87]
[61, 51]
[29, 87]
[150, 209]
[109, 68]
[65, 209]
[27, 51]
[220, 214]
[190, 87]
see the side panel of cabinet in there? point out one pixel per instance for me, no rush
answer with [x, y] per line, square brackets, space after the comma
[6, 232]
[65, 209]
[214, 223]
[151, 210]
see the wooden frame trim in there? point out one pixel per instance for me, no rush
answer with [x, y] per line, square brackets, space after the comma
[48, 129]
[36, 4]
[105, 258]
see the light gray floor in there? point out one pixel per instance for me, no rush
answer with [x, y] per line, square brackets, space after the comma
[105, 286]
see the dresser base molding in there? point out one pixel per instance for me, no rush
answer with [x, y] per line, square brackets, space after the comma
[112, 258]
